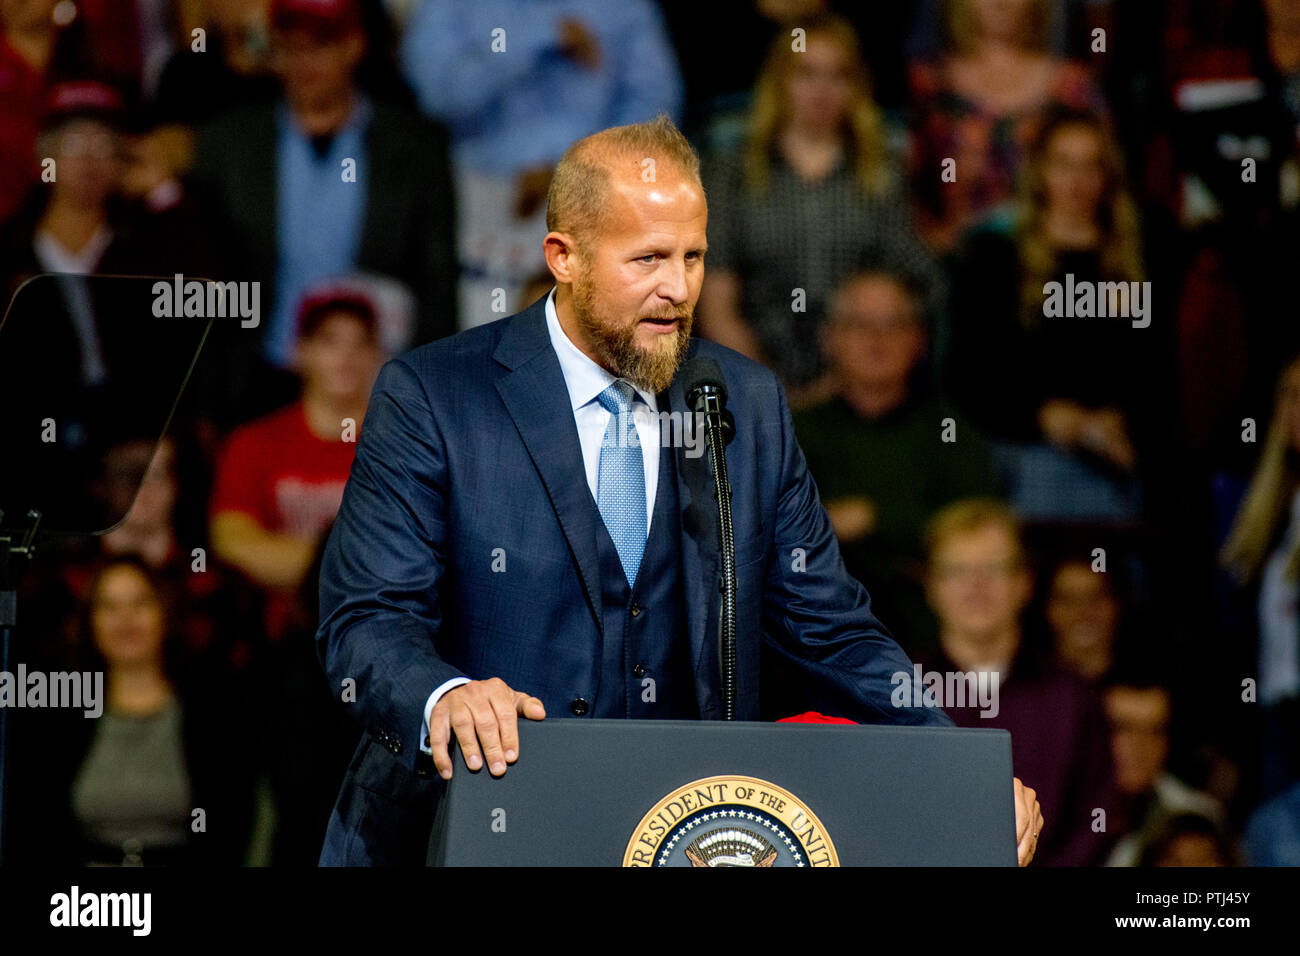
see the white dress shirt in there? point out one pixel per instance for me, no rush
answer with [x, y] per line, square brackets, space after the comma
[54, 257]
[586, 381]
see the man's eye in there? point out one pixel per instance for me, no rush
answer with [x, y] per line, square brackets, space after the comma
[648, 259]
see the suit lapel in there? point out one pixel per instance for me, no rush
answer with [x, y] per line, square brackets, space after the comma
[537, 399]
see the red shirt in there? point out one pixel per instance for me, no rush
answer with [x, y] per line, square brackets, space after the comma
[288, 480]
[282, 475]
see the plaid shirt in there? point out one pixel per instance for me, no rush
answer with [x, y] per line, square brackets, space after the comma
[804, 235]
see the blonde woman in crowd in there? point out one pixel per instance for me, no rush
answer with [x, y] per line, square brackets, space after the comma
[810, 198]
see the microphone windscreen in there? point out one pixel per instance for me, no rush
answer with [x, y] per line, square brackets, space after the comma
[701, 372]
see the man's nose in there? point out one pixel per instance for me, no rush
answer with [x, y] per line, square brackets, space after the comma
[672, 281]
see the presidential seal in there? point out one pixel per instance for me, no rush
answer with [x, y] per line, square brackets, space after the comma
[730, 821]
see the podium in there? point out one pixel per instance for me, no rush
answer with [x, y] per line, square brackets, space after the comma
[715, 793]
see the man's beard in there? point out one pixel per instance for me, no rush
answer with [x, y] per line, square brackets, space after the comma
[617, 349]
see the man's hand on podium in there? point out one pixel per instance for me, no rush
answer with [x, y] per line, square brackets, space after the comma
[483, 714]
[1029, 821]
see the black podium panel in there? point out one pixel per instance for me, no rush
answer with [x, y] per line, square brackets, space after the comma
[583, 791]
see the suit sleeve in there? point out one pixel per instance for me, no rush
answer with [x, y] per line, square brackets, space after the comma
[818, 617]
[382, 565]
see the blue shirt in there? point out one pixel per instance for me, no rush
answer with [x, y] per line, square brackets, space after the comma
[319, 218]
[523, 106]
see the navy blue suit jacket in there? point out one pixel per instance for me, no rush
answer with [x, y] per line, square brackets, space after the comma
[469, 454]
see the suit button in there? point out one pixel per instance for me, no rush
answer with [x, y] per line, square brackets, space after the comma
[638, 671]
[579, 706]
[636, 609]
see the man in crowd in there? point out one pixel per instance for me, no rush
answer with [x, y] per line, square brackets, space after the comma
[979, 584]
[517, 81]
[886, 451]
[280, 479]
[1139, 712]
[327, 182]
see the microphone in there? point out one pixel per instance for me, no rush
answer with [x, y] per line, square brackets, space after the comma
[706, 394]
[702, 380]
[700, 377]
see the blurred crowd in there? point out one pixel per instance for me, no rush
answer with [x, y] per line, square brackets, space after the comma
[1103, 511]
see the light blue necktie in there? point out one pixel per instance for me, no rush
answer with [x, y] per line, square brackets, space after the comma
[620, 484]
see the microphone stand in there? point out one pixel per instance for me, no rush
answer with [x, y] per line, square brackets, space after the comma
[719, 429]
[9, 555]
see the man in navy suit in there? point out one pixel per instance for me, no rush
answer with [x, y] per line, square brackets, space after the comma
[518, 535]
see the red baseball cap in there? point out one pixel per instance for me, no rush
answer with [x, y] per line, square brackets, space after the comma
[322, 301]
[76, 98]
[331, 18]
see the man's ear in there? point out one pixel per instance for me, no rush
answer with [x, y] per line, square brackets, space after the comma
[561, 256]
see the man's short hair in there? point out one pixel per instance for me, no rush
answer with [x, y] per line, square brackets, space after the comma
[908, 285]
[577, 197]
[973, 514]
[1139, 673]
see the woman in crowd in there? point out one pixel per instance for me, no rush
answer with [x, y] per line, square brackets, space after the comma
[1082, 611]
[979, 106]
[1029, 371]
[162, 775]
[810, 198]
